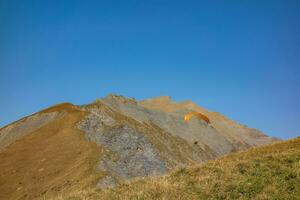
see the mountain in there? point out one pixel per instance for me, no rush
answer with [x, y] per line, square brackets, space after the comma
[262, 173]
[67, 148]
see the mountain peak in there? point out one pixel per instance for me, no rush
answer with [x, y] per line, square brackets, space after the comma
[120, 98]
[122, 138]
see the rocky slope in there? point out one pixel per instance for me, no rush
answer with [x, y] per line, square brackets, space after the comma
[111, 140]
[263, 173]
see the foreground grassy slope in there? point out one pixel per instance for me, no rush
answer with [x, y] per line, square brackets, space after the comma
[270, 172]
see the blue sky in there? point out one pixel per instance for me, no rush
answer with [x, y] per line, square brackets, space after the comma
[240, 58]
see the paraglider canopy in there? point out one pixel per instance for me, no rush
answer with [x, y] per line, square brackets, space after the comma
[188, 116]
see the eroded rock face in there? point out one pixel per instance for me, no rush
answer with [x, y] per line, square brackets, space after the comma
[129, 154]
[135, 155]
[195, 130]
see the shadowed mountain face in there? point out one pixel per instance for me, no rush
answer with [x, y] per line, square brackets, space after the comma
[114, 139]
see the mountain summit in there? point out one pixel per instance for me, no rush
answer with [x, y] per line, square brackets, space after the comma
[112, 140]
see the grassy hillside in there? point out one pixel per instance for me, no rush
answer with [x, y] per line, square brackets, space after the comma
[270, 172]
[53, 158]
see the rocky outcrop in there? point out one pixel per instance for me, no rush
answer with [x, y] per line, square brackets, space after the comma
[134, 148]
[129, 153]
[194, 131]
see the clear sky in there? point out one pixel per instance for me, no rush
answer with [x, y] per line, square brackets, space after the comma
[237, 57]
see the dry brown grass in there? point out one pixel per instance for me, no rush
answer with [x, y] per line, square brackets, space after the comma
[271, 172]
[49, 160]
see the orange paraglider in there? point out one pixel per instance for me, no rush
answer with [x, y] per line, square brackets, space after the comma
[188, 116]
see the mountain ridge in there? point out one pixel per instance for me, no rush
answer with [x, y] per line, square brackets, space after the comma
[112, 140]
